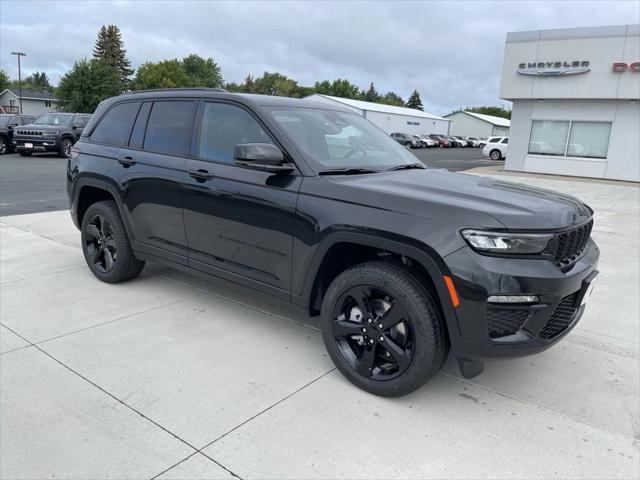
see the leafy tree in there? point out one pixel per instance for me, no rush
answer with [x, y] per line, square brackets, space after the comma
[391, 98]
[415, 101]
[275, 84]
[202, 72]
[338, 88]
[371, 95]
[495, 111]
[109, 46]
[4, 80]
[163, 74]
[87, 84]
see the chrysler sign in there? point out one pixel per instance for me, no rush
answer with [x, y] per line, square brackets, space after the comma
[554, 69]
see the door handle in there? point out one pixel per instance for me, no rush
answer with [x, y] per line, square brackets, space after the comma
[126, 161]
[200, 175]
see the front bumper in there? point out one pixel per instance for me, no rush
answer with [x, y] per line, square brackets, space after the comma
[484, 330]
[36, 144]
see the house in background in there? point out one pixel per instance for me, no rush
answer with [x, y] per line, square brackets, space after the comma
[471, 124]
[389, 118]
[33, 102]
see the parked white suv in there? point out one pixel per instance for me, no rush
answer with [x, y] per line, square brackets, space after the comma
[496, 148]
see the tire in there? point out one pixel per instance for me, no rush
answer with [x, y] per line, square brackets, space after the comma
[408, 145]
[65, 147]
[4, 146]
[106, 246]
[495, 155]
[24, 153]
[362, 350]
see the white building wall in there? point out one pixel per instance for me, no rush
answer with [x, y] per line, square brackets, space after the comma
[392, 123]
[498, 131]
[36, 107]
[623, 157]
[469, 126]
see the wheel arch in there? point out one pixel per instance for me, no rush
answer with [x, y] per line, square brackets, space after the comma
[342, 250]
[91, 190]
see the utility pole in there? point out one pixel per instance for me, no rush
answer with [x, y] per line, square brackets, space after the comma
[19, 54]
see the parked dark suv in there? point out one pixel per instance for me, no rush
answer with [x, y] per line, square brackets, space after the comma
[8, 122]
[50, 132]
[315, 205]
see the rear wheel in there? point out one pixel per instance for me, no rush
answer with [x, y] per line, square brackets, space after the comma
[382, 329]
[105, 244]
[495, 155]
[4, 146]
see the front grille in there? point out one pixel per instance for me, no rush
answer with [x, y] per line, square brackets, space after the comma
[570, 245]
[29, 132]
[561, 317]
[504, 321]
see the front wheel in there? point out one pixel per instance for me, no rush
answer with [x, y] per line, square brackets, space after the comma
[382, 329]
[4, 146]
[65, 147]
[495, 155]
[105, 244]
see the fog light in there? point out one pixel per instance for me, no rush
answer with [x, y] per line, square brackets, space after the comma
[513, 299]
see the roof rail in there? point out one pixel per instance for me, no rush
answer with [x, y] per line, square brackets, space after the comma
[188, 89]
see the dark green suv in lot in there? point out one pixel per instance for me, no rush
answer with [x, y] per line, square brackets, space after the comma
[51, 132]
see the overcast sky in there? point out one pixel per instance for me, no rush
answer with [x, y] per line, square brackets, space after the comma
[450, 51]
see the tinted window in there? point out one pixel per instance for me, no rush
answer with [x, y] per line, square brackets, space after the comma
[169, 127]
[137, 135]
[506, 140]
[115, 127]
[225, 126]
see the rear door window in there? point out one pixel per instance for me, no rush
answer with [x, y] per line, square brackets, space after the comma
[115, 127]
[137, 135]
[169, 127]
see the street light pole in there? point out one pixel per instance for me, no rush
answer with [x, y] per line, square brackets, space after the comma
[19, 54]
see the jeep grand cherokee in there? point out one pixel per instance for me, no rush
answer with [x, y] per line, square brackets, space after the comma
[315, 205]
[50, 132]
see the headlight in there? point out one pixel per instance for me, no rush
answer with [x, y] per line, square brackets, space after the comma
[509, 243]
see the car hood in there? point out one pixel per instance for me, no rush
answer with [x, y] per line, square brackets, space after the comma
[516, 206]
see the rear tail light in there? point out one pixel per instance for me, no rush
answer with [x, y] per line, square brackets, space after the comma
[75, 152]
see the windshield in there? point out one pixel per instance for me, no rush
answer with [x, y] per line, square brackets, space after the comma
[53, 119]
[337, 140]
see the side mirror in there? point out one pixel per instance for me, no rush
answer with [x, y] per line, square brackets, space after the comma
[261, 156]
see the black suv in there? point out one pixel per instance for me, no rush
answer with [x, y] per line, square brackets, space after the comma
[316, 205]
[8, 122]
[50, 132]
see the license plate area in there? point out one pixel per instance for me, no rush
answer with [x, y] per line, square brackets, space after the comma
[28, 145]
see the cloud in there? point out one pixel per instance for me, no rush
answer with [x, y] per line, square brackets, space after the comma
[450, 51]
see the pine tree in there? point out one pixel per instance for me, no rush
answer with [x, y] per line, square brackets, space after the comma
[372, 94]
[109, 46]
[415, 101]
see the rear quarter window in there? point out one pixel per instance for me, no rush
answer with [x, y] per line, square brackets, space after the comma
[115, 126]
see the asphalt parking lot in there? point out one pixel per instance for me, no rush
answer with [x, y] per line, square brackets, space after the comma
[171, 376]
[37, 183]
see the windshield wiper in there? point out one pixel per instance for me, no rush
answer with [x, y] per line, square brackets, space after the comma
[346, 171]
[407, 167]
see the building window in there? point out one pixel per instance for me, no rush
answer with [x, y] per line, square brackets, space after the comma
[569, 138]
[47, 103]
[12, 102]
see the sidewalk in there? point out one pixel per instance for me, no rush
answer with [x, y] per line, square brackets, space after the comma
[172, 376]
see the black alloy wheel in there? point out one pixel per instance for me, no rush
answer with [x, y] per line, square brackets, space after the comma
[106, 246]
[495, 155]
[3, 146]
[383, 329]
[100, 244]
[373, 333]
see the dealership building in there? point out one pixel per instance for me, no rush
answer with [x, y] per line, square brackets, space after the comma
[390, 118]
[576, 101]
